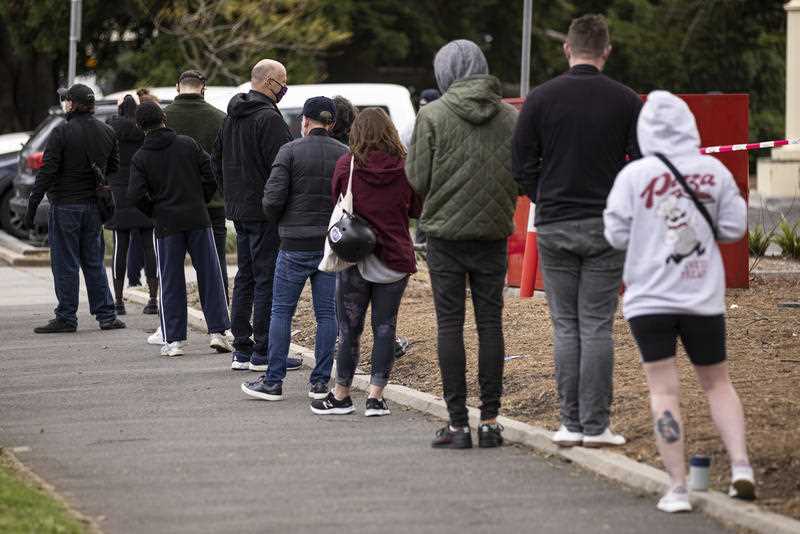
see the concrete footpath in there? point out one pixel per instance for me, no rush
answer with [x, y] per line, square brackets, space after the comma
[148, 444]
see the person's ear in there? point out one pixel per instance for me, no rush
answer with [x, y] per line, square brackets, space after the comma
[178, 88]
[607, 53]
[567, 51]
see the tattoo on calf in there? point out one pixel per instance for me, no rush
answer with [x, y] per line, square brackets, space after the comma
[668, 428]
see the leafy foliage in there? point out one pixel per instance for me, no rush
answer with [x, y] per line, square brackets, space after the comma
[788, 239]
[758, 240]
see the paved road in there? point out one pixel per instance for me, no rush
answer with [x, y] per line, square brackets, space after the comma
[171, 445]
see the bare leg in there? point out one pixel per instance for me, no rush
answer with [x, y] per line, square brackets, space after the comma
[375, 392]
[664, 384]
[726, 410]
[341, 392]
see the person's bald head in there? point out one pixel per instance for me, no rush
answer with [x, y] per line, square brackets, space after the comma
[268, 77]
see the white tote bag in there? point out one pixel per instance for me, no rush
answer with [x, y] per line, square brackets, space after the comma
[331, 263]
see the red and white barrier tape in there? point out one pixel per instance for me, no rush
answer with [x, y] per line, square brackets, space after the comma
[748, 146]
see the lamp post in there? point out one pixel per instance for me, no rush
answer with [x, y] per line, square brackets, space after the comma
[74, 37]
[527, 28]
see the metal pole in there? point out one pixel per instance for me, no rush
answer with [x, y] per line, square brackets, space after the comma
[525, 71]
[74, 37]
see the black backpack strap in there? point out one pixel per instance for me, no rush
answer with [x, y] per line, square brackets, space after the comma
[699, 205]
[94, 166]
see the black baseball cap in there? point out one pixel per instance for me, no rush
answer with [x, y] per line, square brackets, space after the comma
[78, 93]
[192, 74]
[320, 109]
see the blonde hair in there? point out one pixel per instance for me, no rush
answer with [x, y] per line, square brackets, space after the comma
[373, 130]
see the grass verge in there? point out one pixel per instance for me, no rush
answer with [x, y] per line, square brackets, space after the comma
[26, 508]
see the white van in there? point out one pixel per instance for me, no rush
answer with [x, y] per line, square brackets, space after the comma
[216, 95]
[394, 99]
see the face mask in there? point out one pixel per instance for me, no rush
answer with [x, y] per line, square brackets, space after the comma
[280, 94]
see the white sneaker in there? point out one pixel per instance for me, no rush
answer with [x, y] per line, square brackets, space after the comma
[156, 338]
[565, 438]
[743, 484]
[675, 501]
[219, 343]
[606, 439]
[173, 349]
[229, 336]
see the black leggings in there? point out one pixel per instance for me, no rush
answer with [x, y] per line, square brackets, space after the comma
[122, 240]
[353, 296]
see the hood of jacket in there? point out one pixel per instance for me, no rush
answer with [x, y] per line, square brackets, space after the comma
[457, 60]
[245, 104]
[381, 168]
[159, 139]
[475, 99]
[667, 126]
[126, 130]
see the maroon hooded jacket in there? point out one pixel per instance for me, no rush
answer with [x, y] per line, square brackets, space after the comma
[384, 198]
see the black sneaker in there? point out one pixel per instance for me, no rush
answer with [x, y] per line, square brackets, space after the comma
[261, 390]
[116, 324]
[293, 364]
[120, 308]
[490, 435]
[401, 345]
[55, 326]
[331, 406]
[318, 391]
[151, 308]
[449, 439]
[376, 407]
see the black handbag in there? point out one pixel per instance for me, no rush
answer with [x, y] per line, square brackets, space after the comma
[689, 191]
[106, 204]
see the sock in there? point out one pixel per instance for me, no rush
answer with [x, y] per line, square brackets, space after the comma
[464, 429]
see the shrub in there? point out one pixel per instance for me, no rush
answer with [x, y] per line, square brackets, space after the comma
[758, 240]
[788, 239]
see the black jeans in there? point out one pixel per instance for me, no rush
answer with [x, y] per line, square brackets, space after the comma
[217, 216]
[353, 296]
[484, 264]
[256, 250]
[122, 246]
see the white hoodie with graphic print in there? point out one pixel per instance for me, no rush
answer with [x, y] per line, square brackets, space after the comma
[673, 265]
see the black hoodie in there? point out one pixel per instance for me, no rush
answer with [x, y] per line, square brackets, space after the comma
[171, 176]
[246, 147]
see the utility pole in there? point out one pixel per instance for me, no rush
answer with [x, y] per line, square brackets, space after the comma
[527, 28]
[74, 37]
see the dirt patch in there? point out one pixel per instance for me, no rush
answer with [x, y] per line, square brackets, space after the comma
[764, 354]
[773, 264]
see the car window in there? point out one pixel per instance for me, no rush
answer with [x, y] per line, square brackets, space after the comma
[294, 117]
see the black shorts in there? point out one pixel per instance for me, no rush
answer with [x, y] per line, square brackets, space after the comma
[703, 337]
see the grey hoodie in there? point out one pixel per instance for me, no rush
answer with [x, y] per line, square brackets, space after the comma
[457, 60]
[673, 264]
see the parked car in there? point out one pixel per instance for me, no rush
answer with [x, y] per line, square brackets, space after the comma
[31, 159]
[394, 99]
[10, 146]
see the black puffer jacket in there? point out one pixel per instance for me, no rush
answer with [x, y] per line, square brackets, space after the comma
[130, 139]
[249, 140]
[298, 193]
[66, 175]
[171, 177]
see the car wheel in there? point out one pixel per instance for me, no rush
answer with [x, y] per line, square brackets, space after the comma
[10, 221]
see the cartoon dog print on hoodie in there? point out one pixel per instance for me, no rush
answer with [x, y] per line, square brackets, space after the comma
[680, 233]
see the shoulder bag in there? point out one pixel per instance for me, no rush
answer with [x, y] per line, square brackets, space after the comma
[689, 191]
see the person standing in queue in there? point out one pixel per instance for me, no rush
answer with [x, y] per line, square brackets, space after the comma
[298, 198]
[171, 179]
[383, 197]
[244, 151]
[459, 162]
[128, 219]
[575, 133]
[75, 231]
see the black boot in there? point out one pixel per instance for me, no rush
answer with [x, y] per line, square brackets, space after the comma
[152, 304]
[119, 285]
[55, 326]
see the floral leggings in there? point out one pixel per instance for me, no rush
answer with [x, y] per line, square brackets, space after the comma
[353, 295]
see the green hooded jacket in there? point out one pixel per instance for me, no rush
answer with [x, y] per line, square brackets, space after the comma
[459, 161]
[190, 114]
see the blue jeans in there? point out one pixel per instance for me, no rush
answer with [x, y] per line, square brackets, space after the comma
[76, 243]
[292, 270]
[256, 248]
[582, 278]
